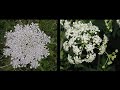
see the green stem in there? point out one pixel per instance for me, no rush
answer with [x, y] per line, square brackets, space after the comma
[106, 53]
[106, 60]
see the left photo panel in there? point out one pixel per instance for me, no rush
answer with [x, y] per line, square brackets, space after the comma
[28, 45]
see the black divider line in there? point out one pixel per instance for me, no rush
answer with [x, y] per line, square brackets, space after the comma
[58, 45]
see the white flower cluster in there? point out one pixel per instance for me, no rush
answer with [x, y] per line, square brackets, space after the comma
[82, 37]
[27, 45]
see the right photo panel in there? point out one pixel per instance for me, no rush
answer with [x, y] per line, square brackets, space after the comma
[89, 45]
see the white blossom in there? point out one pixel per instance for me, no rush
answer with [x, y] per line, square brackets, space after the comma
[89, 47]
[71, 41]
[70, 59]
[102, 49]
[66, 46]
[96, 39]
[105, 39]
[77, 60]
[67, 24]
[83, 37]
[27, 45]
[61, 22]
[76, 50]
[91, 57]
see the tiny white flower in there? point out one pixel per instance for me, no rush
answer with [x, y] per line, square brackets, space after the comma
[70, 59]
[89, 47]
[65, 46]
[91, 57]
[96, 39]
[102, 49]
[75, 49]
[105, 39]
[77, 60]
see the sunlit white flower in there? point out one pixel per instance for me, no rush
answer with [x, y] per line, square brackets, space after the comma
[118, 22]
[96, 39]
[85, 38]
[82, 39]
[105, 39]
[77, 60]
[102, 49]
[70, 59]
[27, 45]
[66, 46]
[91, 57]
[61, 22]
[71, 41]
[89, 47]
[67, 24]
[76, 50]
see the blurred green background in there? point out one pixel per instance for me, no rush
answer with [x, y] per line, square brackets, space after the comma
[48, 26]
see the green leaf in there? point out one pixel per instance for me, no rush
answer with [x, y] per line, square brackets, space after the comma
[103, 60]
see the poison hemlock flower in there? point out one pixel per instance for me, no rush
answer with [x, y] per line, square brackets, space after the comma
[83, 39]
[26, 45]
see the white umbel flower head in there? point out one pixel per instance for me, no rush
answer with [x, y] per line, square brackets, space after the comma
[82, 40]
[27, 45]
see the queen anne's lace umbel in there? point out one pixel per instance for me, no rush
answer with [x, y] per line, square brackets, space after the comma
[26, 45]
[82, 37]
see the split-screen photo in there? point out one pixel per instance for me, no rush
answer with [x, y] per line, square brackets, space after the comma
[85, 45]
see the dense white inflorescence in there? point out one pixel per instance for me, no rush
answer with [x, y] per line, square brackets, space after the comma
[26, 45]
[82, 37]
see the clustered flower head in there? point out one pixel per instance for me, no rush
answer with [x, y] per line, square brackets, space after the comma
[82, 39]
[26, 45]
